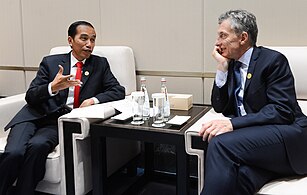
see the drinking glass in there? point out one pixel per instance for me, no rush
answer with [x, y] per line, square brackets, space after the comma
[138, 100]
[158, 109]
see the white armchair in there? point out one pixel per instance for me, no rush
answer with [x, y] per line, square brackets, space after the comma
[121, 60]
[297, 57]
[298, 61]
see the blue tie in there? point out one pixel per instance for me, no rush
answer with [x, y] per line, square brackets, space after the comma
[237, 76]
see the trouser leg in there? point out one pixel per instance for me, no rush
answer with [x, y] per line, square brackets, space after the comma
[242, 161]
[33, 169]
[12, 159]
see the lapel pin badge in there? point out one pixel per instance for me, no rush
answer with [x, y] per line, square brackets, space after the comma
[86, 73]
[249, 75]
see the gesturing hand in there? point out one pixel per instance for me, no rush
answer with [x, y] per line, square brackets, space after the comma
[214, 128]
[61, 81]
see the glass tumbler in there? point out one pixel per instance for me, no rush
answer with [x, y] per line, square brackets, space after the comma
[158, 109]
[138, 100]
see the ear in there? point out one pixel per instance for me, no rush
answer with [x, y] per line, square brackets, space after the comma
[70, 39]
[244, 38]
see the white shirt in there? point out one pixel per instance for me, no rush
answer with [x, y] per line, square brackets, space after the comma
[73, 70]
[221, 77]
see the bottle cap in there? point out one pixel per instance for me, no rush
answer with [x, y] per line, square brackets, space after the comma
[157, 95]
[163, 79]
[143, 79]
[137, 93]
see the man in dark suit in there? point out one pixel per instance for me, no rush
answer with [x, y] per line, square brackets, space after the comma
[266, 135]
[34, 132]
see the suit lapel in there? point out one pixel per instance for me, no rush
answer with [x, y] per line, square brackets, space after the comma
[66, 71]
[87, 71]
[251, 67]
[66, 64]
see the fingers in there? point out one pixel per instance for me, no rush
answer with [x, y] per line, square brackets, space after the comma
[205, 130]
[214, 128]
[61, 81]
[76, 82]
[61, 69]
[68, 78]
[222, 62]
[87, 102]
[216, 50]
[73, 82]
[212, 134]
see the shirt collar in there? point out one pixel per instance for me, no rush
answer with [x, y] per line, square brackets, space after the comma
[74, 60]
[246, 57]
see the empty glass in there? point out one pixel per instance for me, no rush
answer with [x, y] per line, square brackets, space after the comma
[138, 99]
[158, 109]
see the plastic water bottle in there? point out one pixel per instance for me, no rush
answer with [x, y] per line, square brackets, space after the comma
[166, 100]
[146, 106]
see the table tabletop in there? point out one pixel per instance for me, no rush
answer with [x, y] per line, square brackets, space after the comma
[196, 112]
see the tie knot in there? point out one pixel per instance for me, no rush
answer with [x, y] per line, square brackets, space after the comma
[79, 64]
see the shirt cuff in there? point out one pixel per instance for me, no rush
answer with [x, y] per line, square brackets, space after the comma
[50, 91]
[96, 101]
[220, 78]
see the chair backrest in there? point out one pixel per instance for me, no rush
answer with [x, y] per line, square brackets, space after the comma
[120, 58]
[297, 57]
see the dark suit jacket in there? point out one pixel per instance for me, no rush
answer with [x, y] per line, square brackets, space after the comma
[269, 99]
[99, 83]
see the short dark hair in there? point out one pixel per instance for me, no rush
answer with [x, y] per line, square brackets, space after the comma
[72, 30]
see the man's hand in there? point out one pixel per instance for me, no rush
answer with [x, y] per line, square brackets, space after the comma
[214, 128]
[222, 62]
[87, 102]
[61, 81]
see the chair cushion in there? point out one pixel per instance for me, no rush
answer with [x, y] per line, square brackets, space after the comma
[53, 166]
[285, 186]
[303, 105]
[53, 173]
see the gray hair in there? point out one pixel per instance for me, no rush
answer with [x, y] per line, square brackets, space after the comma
[242, 21]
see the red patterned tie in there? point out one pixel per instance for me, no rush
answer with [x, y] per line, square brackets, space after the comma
[77, 88]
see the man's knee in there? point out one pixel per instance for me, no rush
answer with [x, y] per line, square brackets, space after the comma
[41, 147]
[215, 144]
[13, 156]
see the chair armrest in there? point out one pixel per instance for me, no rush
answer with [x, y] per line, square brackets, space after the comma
[84, 133]
[9, 106]
[193, 131]
[84, 127]
[200, 157]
